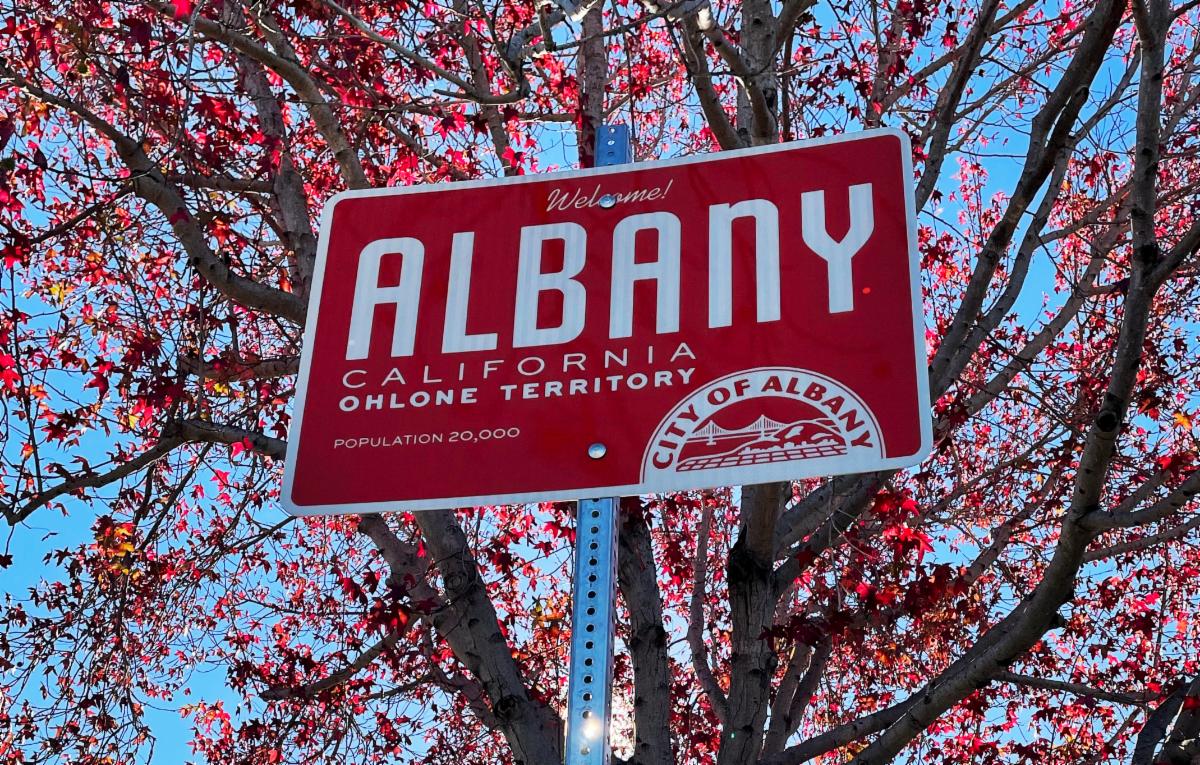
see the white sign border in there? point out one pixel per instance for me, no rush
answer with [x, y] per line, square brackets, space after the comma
[785, 471]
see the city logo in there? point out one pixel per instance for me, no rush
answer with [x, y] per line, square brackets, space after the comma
[764, 416]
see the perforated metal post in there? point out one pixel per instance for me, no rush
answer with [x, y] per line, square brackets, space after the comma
[612, 146]
[594, 589]
[594, 585]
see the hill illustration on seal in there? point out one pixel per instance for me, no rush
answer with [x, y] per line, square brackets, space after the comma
[761, 430]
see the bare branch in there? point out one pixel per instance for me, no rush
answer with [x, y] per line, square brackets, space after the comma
[1051, 131]
[334, 679]
[950, 96]
[92, 480]
[1077, 689]
[1145, 543]
[922, 76]
[1164, 508]
[224, 370]
[697, 619]
[204, 431]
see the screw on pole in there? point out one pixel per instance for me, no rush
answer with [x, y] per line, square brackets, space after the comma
[594, 585]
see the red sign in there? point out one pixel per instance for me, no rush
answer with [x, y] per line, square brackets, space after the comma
[739, 317]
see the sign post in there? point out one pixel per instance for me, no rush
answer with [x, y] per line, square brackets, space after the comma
[594, 583]
[593, 601]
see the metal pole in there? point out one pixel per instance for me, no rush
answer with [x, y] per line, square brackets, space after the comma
[594, 594]
[594, 584]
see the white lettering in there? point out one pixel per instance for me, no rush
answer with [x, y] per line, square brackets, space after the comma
[532, 282]
[838, 254]
[368, 295]
[720, 259]
[664, 271]
[536, 368]
[491, 365]
[454, 335]
[683, 350]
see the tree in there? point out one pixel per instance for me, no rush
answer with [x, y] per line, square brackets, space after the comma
[1028, 594]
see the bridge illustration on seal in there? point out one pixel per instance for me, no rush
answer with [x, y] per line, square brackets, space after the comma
[763, 426]
[762, 441]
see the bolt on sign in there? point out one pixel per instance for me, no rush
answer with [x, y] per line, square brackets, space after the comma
[740, 317]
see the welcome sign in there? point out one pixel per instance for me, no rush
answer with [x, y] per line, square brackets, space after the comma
[740, 317]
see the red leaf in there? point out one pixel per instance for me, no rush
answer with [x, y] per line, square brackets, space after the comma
[241, 446]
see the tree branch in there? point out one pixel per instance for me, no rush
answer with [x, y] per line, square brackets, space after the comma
[223, 370]
[219, 183]
[1077, 689]
[301, 81]
[470, 626]
[835, 738]
[697, 620]
[1169, 725]
[1022, 627]
[752, 598]
[795, 692]
[789, 16]
[289, 199]
[637, 575]
[1146, 542]
[203, 431]
[333, 680]
[949, 97]
[1164, 508]
[696, 60]
[1051, 131]
[93, 480]
[152, 186]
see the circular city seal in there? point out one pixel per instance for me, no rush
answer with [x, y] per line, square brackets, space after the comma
[765, 418]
